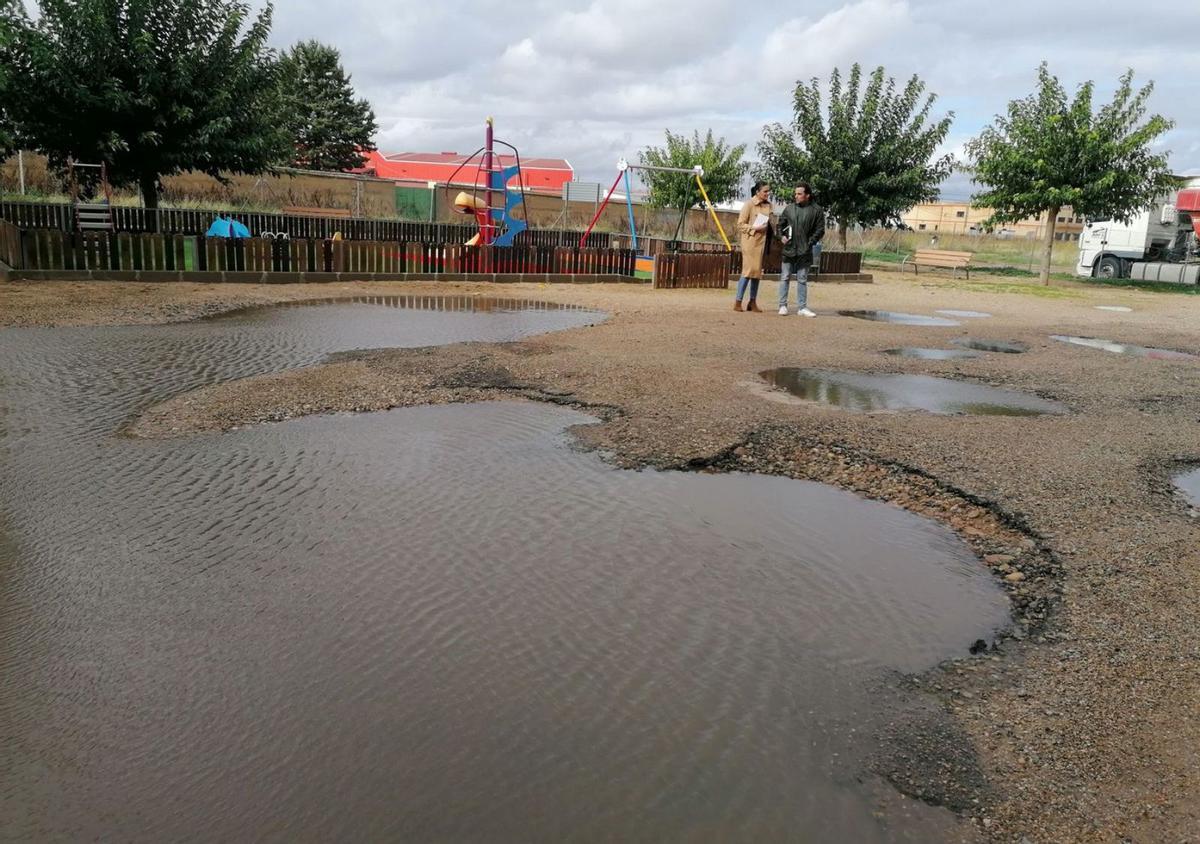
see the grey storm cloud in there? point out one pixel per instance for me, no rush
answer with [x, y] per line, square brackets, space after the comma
[592, 81]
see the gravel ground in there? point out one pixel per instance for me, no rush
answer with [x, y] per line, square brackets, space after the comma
[1080, 724]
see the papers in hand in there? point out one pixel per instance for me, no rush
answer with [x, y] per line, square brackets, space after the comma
[760, 222]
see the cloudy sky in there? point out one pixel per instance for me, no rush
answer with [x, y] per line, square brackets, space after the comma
[592, 80]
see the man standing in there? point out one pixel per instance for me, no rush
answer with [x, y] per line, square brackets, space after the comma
[802, 225]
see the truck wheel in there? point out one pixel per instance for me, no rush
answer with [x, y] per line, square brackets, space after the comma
[1109, 267]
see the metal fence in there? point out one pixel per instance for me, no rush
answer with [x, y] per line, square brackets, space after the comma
[187, 221]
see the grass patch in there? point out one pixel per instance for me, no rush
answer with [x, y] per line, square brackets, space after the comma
[1149, 286]
[1041, 291]
[880, 257]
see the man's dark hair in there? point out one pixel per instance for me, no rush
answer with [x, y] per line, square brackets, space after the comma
[807, 189]
[758, 186]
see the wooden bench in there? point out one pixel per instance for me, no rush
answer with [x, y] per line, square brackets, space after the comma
[301, 211]
[940, 258]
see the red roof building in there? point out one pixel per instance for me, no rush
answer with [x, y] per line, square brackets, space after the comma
[540, 174]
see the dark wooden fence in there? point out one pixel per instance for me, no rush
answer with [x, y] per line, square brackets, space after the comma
[49, 249]
[674, 270]
[10, 244]
[32, 215]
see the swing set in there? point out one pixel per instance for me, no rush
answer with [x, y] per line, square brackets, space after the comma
[623, 168]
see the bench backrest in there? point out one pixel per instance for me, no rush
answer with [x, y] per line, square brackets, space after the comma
[942, 257]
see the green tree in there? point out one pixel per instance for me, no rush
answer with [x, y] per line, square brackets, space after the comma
[150, 87]
[329, 128]
[11, 16]
[723, 170]
[1052, 151]
[869, 157]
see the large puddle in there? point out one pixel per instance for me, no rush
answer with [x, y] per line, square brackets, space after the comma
[900, 318]
[1189, 484]
[437, 623]
[1124, 348]
[865, 393]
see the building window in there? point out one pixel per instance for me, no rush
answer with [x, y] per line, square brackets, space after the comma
[921, 227]
[960, 213]
[1062, 219]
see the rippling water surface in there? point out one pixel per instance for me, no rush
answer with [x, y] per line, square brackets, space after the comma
[437, 623]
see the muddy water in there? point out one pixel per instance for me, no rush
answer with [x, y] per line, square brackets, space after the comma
[1004, 347]
[867, 393]
[932, 354]
[898, 318]
[1189, 484]
[965, 314]
[435, 623]
[1124, 348]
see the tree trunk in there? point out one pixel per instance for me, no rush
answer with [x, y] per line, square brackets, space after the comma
[842, 234]
[148, 182]
[1048, 245]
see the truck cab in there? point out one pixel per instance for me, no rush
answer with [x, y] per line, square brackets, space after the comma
[1164, 233]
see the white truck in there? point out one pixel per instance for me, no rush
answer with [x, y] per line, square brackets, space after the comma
[1160, 244]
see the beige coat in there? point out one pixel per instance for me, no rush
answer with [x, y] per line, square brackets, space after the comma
[753, 243]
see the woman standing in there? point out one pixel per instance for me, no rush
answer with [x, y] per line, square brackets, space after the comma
[753, 222]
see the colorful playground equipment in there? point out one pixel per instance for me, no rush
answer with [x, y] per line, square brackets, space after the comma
[623, 168]
[497, 225]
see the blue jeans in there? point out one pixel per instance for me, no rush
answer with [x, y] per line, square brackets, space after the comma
[799, 269]
[741, 288]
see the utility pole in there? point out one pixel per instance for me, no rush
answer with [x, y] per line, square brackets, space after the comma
[21, 169]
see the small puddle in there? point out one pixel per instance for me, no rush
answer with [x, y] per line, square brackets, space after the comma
[1007, 347]
[964, 314]
[1120, 309]
[1189, 484]
[900, 318]
[865, 393]
[1124, 348]
[932, 354]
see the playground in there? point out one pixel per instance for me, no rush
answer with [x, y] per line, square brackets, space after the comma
[1049, 430]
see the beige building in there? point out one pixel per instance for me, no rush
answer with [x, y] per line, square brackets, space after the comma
[961, 218]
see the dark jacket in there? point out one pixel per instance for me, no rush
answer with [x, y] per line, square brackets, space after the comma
[803, 226]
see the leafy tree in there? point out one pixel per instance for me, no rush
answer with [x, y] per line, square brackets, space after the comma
[150, 87]
[329, 128]
[869, 158]
[11, 15]
[723, 170]
[1051, 151]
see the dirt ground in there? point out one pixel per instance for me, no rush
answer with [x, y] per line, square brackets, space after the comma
[1084, 721]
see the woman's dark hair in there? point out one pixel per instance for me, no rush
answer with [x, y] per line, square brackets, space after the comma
[758, 186]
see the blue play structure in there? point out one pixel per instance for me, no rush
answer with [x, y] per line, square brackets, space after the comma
[511, 226]
[227, 227]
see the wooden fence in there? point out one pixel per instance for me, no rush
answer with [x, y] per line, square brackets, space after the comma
[49, 249]
[691, 269]
[32, 215]
[10, 244]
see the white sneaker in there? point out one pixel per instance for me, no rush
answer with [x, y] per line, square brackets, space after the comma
[805, 312]
[783, 311]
